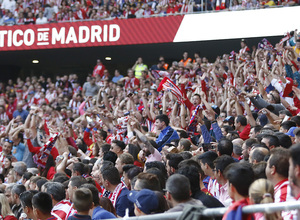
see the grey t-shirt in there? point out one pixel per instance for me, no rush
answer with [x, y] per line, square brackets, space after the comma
[181, 206]
[27, 157]
[90, 90]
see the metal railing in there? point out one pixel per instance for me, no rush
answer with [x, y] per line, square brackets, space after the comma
[213, 212]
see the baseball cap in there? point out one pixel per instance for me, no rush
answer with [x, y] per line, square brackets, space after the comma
[291, 132]
[216, 109]
[229, 119]
[296, 131]
[145, 200]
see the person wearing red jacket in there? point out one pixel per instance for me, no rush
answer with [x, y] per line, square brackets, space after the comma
[80, 13]
[99, 69]
[35, 150]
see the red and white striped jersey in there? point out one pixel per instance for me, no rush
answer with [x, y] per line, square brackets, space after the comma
[4, 117]
[51, 96]
[244, 50]
[74, 106]
[214, 188]
[282, 193]
[63, 210]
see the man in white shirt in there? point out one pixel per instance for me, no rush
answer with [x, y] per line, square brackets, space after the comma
[9, 5]
[220, 165]
[41, 19]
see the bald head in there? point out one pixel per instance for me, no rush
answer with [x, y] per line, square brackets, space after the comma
[258, 154]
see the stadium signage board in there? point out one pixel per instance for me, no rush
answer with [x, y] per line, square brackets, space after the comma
[89, 33]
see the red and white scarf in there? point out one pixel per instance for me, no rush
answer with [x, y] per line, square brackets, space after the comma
[42, 156]
[114, 196]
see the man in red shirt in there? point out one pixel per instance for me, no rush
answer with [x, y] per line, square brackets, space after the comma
[131, 83]
[172, 8]
[80, 13]
[242, 127]
[98, 69]
[277, 172]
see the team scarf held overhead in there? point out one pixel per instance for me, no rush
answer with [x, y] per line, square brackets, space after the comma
[286, 38]
[193, 122]
[159, 73]
[265, 44]
[42, 156]
[167, 85]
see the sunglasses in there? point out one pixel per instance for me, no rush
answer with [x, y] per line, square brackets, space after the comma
[9, 141]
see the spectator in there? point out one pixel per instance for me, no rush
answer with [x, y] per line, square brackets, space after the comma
[42, 206]
[41, 19]
[30, 19]
[20, 168]
[139, 66]
[98, 211]
[26, 202]
[220, 165]
[20, 112]
[122, 160]
[5, 210]
[147, 181]
[6, 150]
[83, 203]
[98, 69]
[258, 154]
[111, 181]
[8, 5]
[270, 141]
[117, 76]
[172, 163]
[90, 88]
[167, 133]
[10, 21]
[277, 173]
[261, 191]
[16, 191]
[240, 176]
[191, 172]
[117, 147]
[62, 208]
[178, 193]
[146, 202]
[18, 147]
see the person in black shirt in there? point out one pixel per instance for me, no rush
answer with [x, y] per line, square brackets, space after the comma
[191, 171]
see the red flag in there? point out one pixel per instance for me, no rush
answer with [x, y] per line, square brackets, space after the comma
[167, 85]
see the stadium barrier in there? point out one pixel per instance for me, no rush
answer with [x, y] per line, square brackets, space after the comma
[213, 212]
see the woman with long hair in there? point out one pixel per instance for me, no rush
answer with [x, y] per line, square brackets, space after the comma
[5, 210]
[261, 191]
[11, 176]
[7, 165]
[49, 169]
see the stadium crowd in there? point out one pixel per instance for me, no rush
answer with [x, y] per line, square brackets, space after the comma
[41, 12]
[192, 132]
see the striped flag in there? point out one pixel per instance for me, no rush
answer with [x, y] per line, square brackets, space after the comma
[167, 85]
[159, 73]
[265, 44]
[287, 37]
[42, 156]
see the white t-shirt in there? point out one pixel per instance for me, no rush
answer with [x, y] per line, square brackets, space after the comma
[42, 20]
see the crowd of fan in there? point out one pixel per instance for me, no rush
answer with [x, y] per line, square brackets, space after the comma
[41, 12]
[136, 144]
